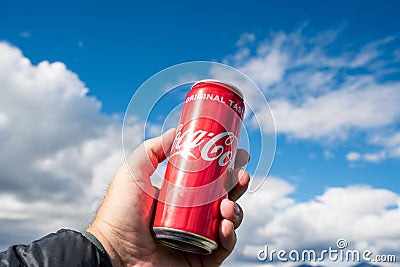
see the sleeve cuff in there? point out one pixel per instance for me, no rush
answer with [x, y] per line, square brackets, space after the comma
[103, 253]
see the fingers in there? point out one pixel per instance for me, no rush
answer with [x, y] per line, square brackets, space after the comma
[240, 179]
[243, 179]
[232, 216]
[242, 157]
[227, 235]
[227, 238]
[232, 212]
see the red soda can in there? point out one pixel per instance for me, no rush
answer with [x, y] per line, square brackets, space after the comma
[201, 160]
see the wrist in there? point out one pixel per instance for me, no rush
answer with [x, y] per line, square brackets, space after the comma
[107, 244]
[104, 258]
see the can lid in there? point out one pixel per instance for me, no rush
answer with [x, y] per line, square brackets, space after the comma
[230, 86]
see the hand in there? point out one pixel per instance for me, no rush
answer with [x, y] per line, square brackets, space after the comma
[122, 223]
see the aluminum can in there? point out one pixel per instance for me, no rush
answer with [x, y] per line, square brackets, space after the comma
[200, 163]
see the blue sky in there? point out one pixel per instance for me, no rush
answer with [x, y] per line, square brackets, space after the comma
[330, 71]
[129, 42]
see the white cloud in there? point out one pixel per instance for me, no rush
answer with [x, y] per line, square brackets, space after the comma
[316, 92]
[334, 114]
[267, 69]
[357, 213]
[320, 92]
[58, 151]
[374, 157]
[48, 111]
[390, 144]
[361, 214]
[353, 156]
[369, 52]
[245, 39]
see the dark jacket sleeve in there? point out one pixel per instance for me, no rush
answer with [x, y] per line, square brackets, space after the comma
[66, 248]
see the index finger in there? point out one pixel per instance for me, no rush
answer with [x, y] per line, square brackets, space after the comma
[242, 158]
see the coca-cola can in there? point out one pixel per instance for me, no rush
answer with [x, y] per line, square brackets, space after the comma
[200, 164]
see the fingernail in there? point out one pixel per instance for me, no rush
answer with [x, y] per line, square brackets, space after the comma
[237, 209]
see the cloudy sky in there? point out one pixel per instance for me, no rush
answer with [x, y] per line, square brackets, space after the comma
[330, 74]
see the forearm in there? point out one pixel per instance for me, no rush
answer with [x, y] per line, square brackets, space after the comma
[64, 248]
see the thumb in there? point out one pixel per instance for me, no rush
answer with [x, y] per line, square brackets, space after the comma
[143, 161]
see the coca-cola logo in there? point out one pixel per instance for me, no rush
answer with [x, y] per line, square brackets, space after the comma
[209, 146]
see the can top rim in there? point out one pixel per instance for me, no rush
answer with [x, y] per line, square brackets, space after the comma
[232, 87]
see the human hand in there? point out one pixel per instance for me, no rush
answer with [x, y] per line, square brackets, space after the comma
[123, 221]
